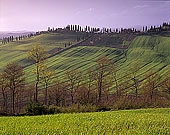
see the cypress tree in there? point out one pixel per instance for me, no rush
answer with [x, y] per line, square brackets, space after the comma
[75, 27]
[71, 27]
[78, 28]
[89, 28]
[143, 29]
[49, 29]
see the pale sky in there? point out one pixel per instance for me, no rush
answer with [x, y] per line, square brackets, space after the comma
[35, 15]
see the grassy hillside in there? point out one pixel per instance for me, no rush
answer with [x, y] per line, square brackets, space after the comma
[118, 122]
[149, 52]
[17, 50]
[81, 58]
[152, 51]
[47, 41]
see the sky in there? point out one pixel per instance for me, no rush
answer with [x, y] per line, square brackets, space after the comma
[36, 15]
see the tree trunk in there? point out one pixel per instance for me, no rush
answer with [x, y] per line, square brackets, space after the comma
[37, 82]
[72, 99]
[99, 91]
[4, 102]
[36, 92]
[13, 102]
[45, 99]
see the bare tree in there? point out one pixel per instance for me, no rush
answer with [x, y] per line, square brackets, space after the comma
[15, 78]
[38, 56]
[91, 77]
[57, 93]
[3, 88]
[46, 80]
[103, 68]
[151, 85]
[74, 79]
[165, 86]
[82, 95]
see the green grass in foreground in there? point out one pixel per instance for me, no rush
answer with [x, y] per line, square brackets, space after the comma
[143, 121]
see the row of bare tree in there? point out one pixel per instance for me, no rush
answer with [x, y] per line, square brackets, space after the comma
[101, 85]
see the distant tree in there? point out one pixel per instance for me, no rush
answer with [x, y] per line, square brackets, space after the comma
[8, 39]
[81, 29]
[110, 30]
[160, 28]
[71, 27]
[78, 27]
[154, 28]
[49, 29]
[143, 29]
[75, 27]
[68, 27]
[88, 28]
[12, 38]
[146, 29]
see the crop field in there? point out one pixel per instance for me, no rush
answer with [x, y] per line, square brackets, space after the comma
[142, 121]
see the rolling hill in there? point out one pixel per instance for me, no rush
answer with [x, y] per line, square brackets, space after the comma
[150, 52]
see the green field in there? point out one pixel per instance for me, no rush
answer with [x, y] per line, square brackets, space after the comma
[149, 52]
[140, 51]
[47, 41]
[142, 121]
[17, 50]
